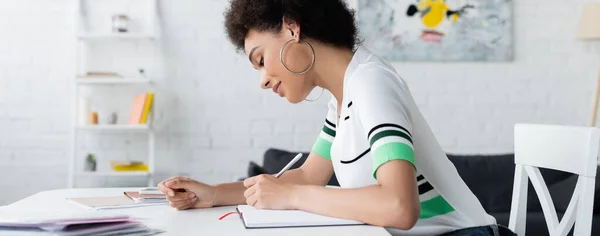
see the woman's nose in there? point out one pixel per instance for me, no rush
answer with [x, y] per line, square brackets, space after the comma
[265, 83]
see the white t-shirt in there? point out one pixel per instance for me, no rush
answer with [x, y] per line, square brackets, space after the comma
[379, 122]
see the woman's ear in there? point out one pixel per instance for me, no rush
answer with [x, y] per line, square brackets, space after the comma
[291, 28]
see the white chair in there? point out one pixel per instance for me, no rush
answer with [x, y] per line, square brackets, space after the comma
[565, 148]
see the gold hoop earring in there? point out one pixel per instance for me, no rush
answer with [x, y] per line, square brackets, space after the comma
[311, 63]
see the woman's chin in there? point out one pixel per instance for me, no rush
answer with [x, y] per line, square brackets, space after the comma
[294, 100]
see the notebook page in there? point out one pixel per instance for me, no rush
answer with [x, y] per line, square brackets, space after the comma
[287, 218]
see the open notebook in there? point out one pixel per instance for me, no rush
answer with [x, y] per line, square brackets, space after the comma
[255, 218]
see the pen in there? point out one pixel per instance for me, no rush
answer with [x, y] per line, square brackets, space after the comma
[289, 165]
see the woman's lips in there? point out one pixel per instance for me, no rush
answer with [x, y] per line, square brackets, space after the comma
[277, 89]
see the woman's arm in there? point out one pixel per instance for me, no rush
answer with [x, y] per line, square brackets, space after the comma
[316, 170]
[392, 202]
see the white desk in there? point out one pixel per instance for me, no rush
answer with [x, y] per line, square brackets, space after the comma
[188, 222]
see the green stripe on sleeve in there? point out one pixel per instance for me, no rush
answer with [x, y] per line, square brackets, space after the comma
[435, 207]
[329, 131]
[387, 133]
[392, 151]
[323, 148]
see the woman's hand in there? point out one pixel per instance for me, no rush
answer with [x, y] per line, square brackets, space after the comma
[196, 194]
[267, 192]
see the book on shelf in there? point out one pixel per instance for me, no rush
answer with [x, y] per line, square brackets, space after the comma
[141, 108]
[122, 166]
[147, 108]
[100, 74]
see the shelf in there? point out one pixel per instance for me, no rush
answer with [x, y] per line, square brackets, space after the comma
[85, 83]
[109, 36]
[119, 127]
[111, 80]
[129, 173]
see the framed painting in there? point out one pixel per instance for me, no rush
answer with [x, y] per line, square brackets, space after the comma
[437, 30]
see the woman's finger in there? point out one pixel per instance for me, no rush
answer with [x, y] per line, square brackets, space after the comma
[259, 205]
[163, 188]
[178, 200]
[249, 182]
[166, 185]
[183, 204]
[188, 205]
[252, 200]
[183, 207]
[181, 196]
[250, 191]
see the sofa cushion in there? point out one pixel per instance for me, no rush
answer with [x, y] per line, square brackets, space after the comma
[562, 192]
[536, 223]
[255, 169]
[490, 178]
[275, 159]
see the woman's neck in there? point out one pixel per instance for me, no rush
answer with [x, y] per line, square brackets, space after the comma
[330, 68]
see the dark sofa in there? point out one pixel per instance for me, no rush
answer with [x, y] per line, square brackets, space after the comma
[490, 177]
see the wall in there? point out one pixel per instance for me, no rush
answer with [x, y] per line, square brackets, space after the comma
[213, 118]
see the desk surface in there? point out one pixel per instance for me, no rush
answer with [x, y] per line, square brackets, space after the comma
[188, 222]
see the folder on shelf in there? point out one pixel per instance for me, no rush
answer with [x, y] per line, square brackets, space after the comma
[147, 108]
[128, 166]
[137, 109]
[100, 74]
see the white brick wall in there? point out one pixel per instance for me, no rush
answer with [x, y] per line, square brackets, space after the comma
[214, 117]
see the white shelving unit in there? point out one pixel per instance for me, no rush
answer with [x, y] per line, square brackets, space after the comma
[84, 37]
[112, 81]
[111, 36]
[118, 174]
[116, 127]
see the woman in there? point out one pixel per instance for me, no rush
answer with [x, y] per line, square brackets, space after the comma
[392, 171]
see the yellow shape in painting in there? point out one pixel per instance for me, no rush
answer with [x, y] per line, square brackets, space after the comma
[424, 4]
[454, 17]
[435, 14]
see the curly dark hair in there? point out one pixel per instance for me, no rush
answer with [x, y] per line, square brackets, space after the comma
[328, 21]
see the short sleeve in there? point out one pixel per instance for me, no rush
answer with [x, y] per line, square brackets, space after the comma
[379, 98]
[323, 144]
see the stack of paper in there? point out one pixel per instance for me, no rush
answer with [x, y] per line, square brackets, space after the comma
[144, 197]
[16, 223]
[103, 203]
[147, 198]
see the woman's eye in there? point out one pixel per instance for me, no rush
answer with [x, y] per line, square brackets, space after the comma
[262, 62]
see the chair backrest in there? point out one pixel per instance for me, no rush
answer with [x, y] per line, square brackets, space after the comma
[565, 148]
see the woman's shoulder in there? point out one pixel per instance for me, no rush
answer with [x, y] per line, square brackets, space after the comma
[376, 74]
[374, 64]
